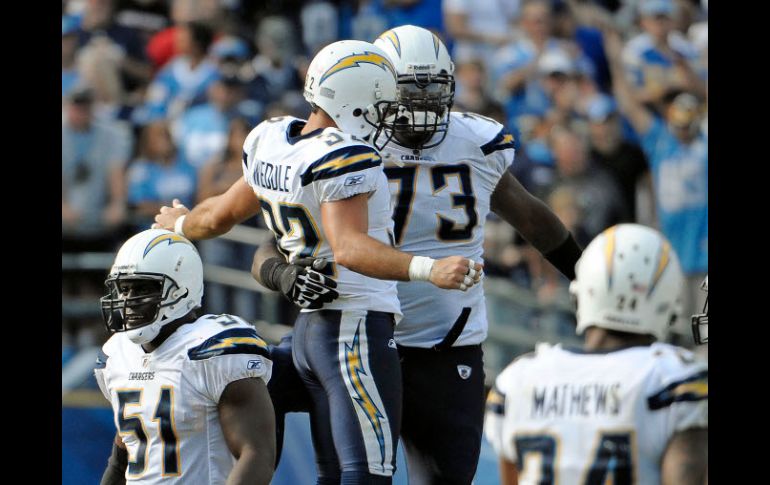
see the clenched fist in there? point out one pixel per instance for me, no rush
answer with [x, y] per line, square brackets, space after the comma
[455, 272]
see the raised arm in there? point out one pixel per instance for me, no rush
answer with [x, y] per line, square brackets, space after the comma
[637, 114]
[212, 217]
[346, 224]
[536, 222]
[248, 425]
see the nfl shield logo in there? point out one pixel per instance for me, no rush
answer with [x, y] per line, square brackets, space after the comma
[464, 371]
[145, 361]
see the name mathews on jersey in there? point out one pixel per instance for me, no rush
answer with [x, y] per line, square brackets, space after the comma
[581, 412]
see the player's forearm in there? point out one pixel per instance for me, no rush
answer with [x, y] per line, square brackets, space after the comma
[115, 473]
[686, 459]
[360, 253]
[203, 222]
[265, 251]
[252, 468]
[532, 218]
[509, 475]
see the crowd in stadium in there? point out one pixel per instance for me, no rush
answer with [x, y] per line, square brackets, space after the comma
[607, 100]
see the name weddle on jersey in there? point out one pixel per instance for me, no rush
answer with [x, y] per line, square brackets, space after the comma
[377, 204]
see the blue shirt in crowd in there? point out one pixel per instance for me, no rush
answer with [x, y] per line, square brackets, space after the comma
[152, 182]
[176, 87]
[201, 134]
[680, 175]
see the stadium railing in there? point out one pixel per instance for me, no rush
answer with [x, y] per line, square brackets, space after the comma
[517, 319]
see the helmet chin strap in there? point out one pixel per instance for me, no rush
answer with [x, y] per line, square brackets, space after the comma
[146, 334]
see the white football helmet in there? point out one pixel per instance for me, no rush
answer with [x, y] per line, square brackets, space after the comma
[426, 85]
[700, 321]
[157, 278]
[354, 82]
[628, 279]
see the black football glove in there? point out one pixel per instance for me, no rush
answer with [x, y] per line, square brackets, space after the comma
[300, 282]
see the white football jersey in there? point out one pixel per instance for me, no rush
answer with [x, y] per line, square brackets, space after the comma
[441, 198]
[293, 174]
[165, 401]
[573, 417]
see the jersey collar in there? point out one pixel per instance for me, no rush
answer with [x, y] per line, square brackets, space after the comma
[296, 127]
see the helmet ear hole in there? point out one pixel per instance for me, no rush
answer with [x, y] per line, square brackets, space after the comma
[357, 112]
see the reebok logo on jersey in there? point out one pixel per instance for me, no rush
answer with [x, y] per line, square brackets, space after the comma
[355, 180]
[254, 364]
[464, 371]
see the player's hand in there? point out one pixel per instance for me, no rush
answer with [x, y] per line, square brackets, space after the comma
[304, 286]
[167, 216]
[456, 273]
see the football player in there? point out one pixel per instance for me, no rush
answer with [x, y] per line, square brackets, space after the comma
[447, 171]
[627, 408]
[323, 194]
[700, 321]
[188, 392]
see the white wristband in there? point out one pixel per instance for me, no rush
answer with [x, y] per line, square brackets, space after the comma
[419, 268]
[178, 225]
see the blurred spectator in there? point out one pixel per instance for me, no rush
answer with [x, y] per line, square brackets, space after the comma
[425, 13]
[479, 27]
[295, 106]
[587, 38]
[201, 133]
[216, 176]
[598, 198]
[564, 86]
[69, 45]
[230, 53]
[518, 70]
[548, 283]
[146, 17]
[534, 166]
[162, 46]
[677, 151]
[319, 26]
[660, 58]
[698, 34]
[274, 70]
[183, 81]
[471, 93]
[98, 22]
[99, 68]
[94, 155]
[369, 20]
[502, 257]
[158, 176]
[624, 160]
[223, 169]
